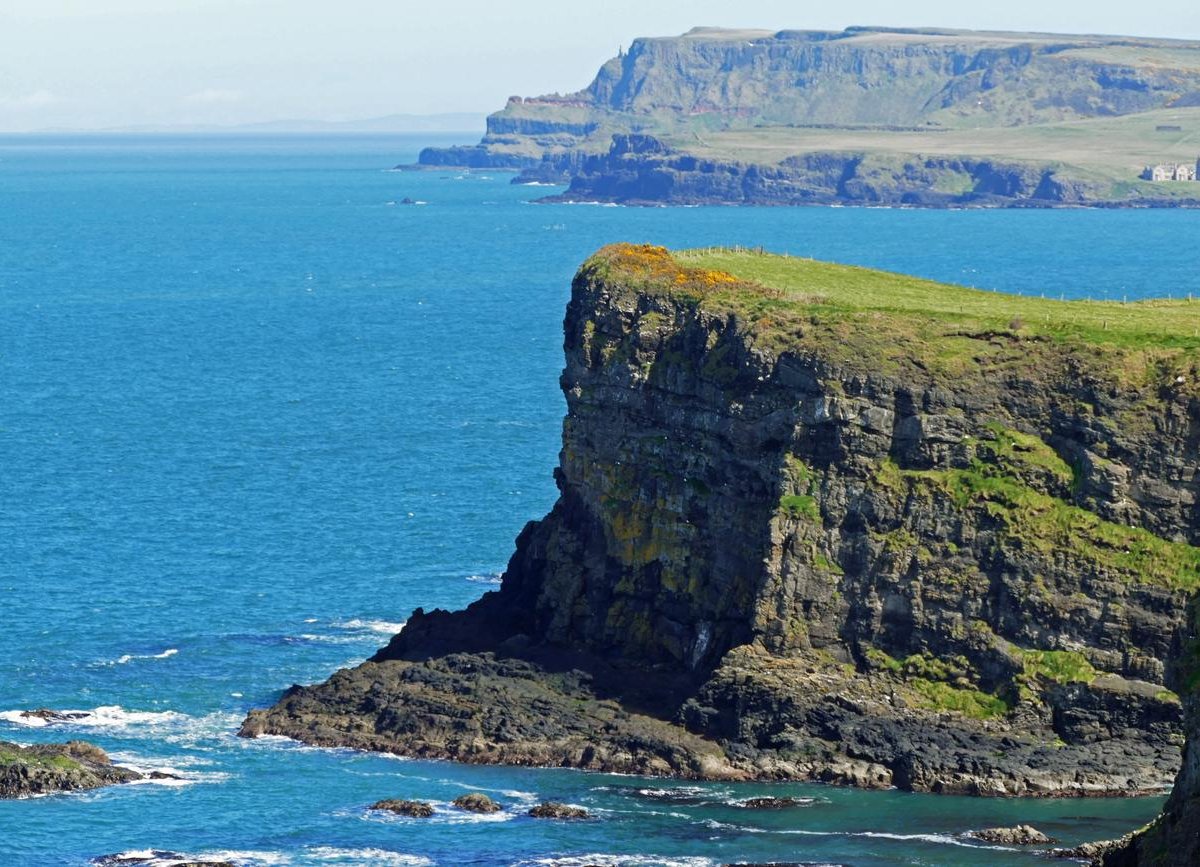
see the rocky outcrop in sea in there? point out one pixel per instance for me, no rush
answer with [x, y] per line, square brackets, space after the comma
[46, 769]
[888, 552]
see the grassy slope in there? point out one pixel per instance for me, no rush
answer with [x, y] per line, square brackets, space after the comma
[848, 291]
[1115, 149]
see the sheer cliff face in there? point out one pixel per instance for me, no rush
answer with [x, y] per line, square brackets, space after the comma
[901, 78]
[716, 491]
[877, 549]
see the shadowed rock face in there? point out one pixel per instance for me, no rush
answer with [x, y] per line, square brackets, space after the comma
[641, 170]
[785, 548]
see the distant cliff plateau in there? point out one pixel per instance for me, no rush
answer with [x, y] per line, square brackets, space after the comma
[934, 118]
[820, 522]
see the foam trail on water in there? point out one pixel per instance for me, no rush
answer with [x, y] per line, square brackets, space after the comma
[334, 855]
[381, 627]
[130, 657]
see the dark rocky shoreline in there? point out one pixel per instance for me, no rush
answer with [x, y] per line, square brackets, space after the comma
[642, 171]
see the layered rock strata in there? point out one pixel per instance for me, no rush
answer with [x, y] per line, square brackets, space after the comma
[793, 541]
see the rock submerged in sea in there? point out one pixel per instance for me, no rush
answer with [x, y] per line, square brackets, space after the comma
[155, 856]
[412, 809]
[476, 802]
[50, 717]
[555, 810]
[44, 769]
[1018, 835]
[773, 803]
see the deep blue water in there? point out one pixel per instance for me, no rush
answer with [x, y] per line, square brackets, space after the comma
[252, 413]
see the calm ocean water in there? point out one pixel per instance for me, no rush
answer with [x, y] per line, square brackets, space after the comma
[253, 412]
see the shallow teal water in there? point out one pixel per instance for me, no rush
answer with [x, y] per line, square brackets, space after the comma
[252, 413]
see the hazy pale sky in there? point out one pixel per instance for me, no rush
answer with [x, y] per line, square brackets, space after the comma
[104, 63]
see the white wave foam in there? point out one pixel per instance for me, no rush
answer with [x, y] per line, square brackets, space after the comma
[603, 860]
[332, 855]
[940, 839]
[246, 858]
[490, 578]
[163, 858]
[382, 627]
[130, 657]
[181, 769]
[108, 716]
[169, 726]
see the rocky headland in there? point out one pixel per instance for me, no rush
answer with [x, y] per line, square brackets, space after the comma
[868, 115]
[45, 769]
[823, 523]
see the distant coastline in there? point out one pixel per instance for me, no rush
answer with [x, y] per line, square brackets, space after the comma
[866, 116]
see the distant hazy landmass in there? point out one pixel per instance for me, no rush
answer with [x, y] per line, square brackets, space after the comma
[866, 115]
[398, 123]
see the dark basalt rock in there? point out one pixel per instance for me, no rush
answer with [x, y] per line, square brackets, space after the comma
[153, 857]
[477, 803]
[45, 769]
[808, 551]
[1019, 835]
[641, 173]
[554, 810]
[773, 803]
[53, 716]
[412, 809]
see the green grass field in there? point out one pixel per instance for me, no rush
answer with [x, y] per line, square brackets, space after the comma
[843, 289]
[1114, 149]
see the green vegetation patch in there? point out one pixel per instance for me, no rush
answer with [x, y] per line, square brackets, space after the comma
[940, 684]
[969, 702]
[1048, 525]
[1058, 666]
[10, 754]
[800, 506]
[851, 293]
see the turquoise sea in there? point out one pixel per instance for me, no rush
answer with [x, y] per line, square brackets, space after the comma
[253, 411]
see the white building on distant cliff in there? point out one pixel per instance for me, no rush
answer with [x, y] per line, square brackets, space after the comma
[1172, 172]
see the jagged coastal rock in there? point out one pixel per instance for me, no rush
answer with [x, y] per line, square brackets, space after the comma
[44, 769]
[411, 809]
[868, 115]
[555, 810]
[1018, 835]
[639, 169]
[818, 522]
[476, 802]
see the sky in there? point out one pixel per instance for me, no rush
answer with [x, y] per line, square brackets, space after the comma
[94, 64]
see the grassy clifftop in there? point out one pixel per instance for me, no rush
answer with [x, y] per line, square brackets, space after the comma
[896, 320]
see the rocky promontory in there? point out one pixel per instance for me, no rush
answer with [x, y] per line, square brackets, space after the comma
[868, 115]
[824, 523]
[44, 769]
